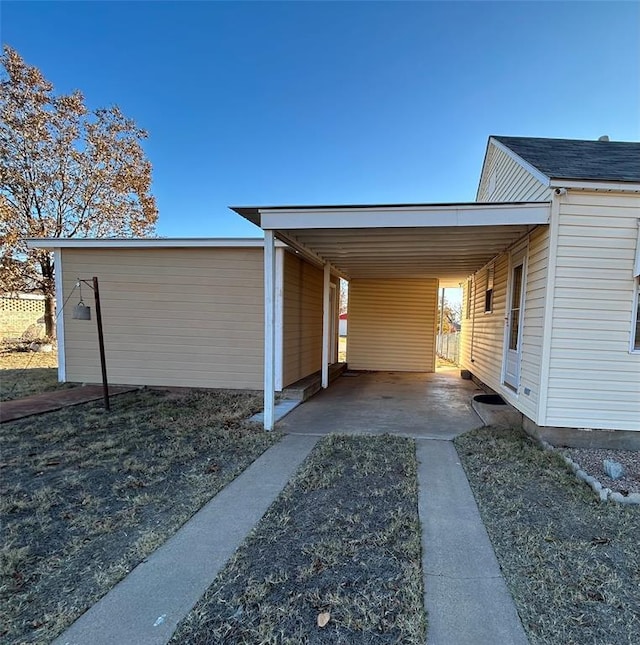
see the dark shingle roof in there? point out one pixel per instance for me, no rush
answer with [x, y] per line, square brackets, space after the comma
[580, 160]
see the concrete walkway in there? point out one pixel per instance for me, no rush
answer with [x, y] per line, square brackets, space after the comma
[146, 607]
[55, 400]
[466, 597]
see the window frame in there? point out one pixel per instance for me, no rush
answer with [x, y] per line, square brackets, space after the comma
[467, 313]
[488, 292]
[634, 336]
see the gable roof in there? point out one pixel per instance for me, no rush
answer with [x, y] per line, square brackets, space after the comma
[578, 159]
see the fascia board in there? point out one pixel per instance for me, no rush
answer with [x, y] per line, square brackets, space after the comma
[102, 243]
[490, 142]
[443, 216]
[612, 186]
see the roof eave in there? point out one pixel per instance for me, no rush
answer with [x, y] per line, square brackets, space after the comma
[142, 243]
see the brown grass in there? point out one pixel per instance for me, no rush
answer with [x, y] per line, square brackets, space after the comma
[342, 539]
[86, 495]
[342, 349]
[23, 373]
[571, 562]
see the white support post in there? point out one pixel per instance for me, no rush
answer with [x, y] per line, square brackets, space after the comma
[269, 329]
[279, 320]
[326, 327]
[57, 267]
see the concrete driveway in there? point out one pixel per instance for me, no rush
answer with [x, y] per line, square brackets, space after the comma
[427, 406]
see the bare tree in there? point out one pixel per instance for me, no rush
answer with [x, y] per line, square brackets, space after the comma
[64, 172]
[344, 296]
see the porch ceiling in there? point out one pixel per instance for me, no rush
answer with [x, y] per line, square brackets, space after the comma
[448, 242]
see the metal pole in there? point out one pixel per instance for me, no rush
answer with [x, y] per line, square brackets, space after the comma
[103, 362]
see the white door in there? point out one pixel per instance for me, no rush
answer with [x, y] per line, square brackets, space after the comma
[513, 322]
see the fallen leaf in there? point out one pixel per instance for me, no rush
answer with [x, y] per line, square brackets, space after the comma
[323, 618]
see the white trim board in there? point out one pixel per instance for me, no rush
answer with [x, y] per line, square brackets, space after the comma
[57, 276]
[279, 320]
[608, 186]
[454, 215]
[143, 243]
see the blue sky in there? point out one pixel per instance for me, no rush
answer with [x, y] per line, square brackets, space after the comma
[334, 102]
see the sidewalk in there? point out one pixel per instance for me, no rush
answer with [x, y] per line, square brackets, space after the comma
[466, 597]
[146, 607]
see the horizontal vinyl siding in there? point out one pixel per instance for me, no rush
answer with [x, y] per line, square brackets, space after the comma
[512, 182]
[466, 325]
[174, 317]
[302, 319]
[392, 325]
[594, 382]
[533, 324]
[482, 335]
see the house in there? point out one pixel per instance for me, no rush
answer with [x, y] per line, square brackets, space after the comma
[342, 327]
[548, 254]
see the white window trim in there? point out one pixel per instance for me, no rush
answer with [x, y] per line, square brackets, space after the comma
[634, 318]
[469, 302]
[489, 288]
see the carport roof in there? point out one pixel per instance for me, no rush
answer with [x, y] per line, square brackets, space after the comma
[445, 241]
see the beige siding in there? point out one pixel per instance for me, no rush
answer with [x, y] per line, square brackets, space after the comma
[482, 334]
[466, 326]
[392, 324]
[594, 380]
[302, 319]
[532, 332]
[505, 180]
[183, 317]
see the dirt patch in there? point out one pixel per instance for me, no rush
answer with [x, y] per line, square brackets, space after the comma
[571, 562]
[85, 495]
[336, 559]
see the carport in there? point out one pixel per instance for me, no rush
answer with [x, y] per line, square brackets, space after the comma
[441, 244]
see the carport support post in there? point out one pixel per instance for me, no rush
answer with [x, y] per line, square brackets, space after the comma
[326, 292]
[269, 329]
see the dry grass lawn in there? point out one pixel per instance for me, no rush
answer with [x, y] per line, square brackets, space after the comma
[85, 495]
[571, 562]
[342, 349]
[341, 543]
[26, 373]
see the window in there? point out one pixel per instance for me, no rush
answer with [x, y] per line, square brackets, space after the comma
[488, 293]
[467, 314]
[635, 330]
